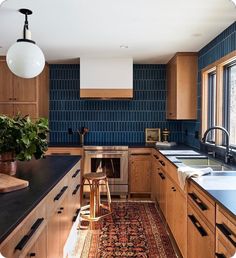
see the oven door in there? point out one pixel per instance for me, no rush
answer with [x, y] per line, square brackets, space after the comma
[113, 163]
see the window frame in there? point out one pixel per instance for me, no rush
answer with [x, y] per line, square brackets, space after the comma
[218, 67]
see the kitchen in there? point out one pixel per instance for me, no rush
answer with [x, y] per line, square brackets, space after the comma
[117, 124]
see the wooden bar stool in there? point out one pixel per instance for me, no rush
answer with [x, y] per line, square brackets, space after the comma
[92, 212]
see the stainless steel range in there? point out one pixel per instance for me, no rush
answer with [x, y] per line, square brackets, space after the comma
[110, 159]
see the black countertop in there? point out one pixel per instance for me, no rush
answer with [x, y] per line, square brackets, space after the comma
[42, 175]
[223, 197]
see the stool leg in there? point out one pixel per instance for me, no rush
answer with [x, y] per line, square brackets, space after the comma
[81, 192]
[98, 199]
[92, 200]
[108, 194]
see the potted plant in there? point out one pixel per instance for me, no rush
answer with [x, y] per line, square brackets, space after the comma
[21, 139]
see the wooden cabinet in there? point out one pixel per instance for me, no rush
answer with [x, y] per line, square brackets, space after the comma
[39, 247]
[140, 164]
[225, 234]
[176, 214]
[27, 96]
[182, 86]
[201, 240]
[43, 233]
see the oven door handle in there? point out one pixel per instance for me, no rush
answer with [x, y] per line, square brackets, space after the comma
[104, 152]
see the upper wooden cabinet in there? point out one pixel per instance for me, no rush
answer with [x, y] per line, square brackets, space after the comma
[182, 86]
[27, 96]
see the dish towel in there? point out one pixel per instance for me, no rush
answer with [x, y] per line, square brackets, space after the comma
[186, 172]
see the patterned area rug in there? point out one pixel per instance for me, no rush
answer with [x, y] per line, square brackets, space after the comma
[133, 230]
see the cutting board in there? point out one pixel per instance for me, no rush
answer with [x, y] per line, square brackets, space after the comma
[10, 183]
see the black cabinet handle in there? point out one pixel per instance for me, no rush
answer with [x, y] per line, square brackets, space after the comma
[161, 176]
[27, 237]
[226, 232]
[155, 156]
[76, 190]
[198, 201]
[198, 226]
[220, 255]
[76, 215]
[173, 188]
[76, 173]
[32, 254]
[58, 196]
[162, 163]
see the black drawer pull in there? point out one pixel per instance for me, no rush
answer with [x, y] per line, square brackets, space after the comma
[58, 196]
[195, 222]
[198, 201]
[76, 215]
[162, 163]
[76, 173]
[76, 190]
[26, 238]
[220, 255]
[226, 232]
[155, 156]
[161, 176]
[32, 254]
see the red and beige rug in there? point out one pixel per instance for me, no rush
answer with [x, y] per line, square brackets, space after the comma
[134, 229]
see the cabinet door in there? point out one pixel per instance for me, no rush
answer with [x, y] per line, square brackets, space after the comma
[6, 109]
[201, 240]
[53, 236]
[39, 249]
[65, 224]
[26, 109]
[162, 191]
[180, 219]
[170, 204]
[171, 90]
[140, 174]
[25, 89]
[6, 79]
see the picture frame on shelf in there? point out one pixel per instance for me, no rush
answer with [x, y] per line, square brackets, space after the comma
[152, 135]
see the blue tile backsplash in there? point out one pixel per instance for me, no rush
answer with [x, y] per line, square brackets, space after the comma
[124, 121]
[223, 44]
[109, 121]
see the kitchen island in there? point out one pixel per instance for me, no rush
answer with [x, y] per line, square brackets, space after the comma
[52, 180]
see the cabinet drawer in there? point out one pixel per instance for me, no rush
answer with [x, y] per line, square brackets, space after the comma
[74, 174]
[57, 195]
[224, 249]
[201, 240]
[226, 229]
[202, 203]
[26, 234]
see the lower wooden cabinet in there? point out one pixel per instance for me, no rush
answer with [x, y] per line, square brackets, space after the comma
[201, 240]
[225, 234]
[140, 165]
[43, 233]
[176, 214]
[39, 248]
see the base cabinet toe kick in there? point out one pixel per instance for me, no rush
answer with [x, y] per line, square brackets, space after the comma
[44, 231]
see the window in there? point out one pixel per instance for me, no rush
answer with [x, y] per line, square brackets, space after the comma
[229, 101]
[219, 99]
[211, 109]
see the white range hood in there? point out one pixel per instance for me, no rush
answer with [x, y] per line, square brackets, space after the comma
[106, 78]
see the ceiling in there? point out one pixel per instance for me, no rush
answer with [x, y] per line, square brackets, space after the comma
[153, 30]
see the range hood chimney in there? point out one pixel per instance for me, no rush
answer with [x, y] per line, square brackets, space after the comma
[106, 78]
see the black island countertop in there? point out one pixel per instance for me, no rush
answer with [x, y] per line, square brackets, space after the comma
[42, 175]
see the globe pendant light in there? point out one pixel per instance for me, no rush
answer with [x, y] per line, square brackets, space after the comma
[24, 58]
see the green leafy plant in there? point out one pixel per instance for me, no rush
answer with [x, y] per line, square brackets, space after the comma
[22, 137]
